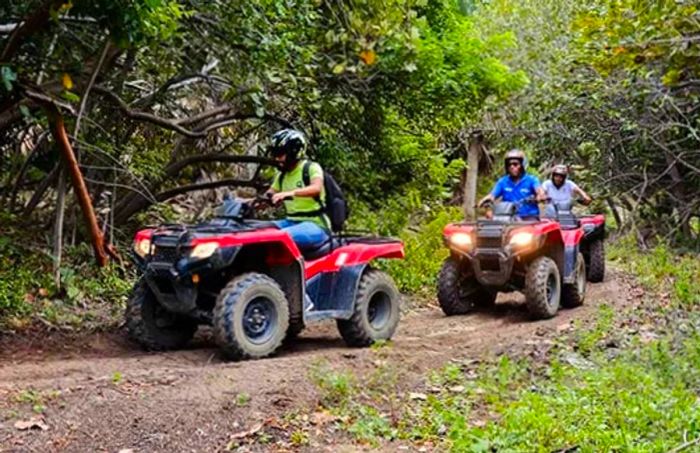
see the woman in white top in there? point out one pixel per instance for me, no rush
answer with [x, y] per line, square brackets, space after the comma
[560, 190]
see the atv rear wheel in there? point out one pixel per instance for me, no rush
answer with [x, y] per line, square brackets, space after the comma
[543, 288]
[376, 313]
[573, 294]
[596, 261]
[152, 326]
[251, 317]
[459, 294]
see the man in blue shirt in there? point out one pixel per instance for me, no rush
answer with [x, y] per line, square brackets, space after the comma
[517, 185]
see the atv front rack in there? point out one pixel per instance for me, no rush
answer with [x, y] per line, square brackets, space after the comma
[488, 222]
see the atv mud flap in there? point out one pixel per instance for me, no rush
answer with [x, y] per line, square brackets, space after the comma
[171, 291]
[570, 255]
[333, 293]
[492, 268]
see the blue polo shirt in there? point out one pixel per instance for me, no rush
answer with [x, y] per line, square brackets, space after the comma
[509, 190]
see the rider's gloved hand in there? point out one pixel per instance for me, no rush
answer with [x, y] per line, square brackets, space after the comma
[281, 196]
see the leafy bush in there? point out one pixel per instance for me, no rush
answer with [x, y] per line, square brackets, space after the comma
[425, 252]
[422, 237]
[28, 289]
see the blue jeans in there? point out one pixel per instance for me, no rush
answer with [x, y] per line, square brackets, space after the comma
[306, 235]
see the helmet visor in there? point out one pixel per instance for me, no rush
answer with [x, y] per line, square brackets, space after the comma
[513, 163]
[276, 151]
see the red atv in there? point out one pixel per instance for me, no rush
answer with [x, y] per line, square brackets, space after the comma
[592, 244]
[540, 258]
[250, 281]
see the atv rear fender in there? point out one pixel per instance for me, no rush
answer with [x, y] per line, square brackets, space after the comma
[332, 280]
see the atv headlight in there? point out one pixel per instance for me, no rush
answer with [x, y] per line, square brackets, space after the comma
[205, 250]
[142, 247]
[522, 239]
[461, 241]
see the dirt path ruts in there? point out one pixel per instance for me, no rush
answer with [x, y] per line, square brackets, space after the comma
[113, 396]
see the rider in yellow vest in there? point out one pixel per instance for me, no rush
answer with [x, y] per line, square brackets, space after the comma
[306, 223]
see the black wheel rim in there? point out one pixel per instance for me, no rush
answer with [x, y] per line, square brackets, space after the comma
[551, 288]
[379, 310]
[259, 320]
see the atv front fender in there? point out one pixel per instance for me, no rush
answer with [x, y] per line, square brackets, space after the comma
[570, 256]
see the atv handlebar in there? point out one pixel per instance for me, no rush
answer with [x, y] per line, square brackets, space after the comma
[264, 200]
[529, 200]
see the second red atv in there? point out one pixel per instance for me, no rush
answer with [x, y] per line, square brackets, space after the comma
[250, 282]
[593, 243]
[541, 258]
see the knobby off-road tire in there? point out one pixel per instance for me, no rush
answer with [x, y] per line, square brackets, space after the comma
[573, 294]
[376, 312]
[293, 331]
[596, 263]
[251, 317]
[152, 326]
[543, 288]
[459, 294]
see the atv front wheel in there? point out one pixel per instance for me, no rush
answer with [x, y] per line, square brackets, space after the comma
[251, 317]
[459, 294]
[596, 261]
[376, 313]
[152, 326]
[573, 294]
[543, 288]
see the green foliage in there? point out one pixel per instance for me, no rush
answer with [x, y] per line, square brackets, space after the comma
[612, 93]
[589, 339]
[641, 398]
[625, 404]
[37, 400]
[117, 378]
[337, 387]
[662, 267]
[27, 287]
[242, 399]
[425, 252]
[299, 438]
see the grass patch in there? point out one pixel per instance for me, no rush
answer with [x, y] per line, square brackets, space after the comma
[663, 269]
[589, 395]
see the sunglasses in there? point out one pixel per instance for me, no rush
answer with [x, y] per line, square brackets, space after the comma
[513, 164]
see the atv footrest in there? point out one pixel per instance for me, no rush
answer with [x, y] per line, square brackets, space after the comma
[318, 315]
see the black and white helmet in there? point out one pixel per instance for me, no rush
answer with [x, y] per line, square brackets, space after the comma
[289, 142]
[561, 170]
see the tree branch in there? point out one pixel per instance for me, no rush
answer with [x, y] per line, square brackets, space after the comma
[175, 167]
[33, 22]
[208, 185]
[147, 117]
[176, 125]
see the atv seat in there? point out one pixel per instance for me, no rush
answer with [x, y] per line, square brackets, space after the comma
[312, 253]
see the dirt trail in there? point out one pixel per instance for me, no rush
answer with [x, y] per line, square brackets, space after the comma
[113, 396]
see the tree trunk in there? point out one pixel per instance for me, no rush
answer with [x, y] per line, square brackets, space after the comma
[474, 150]
[58, 226]
[58, 130]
